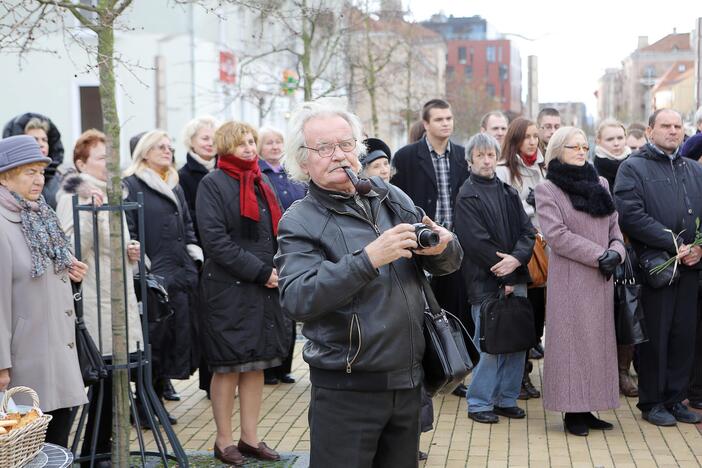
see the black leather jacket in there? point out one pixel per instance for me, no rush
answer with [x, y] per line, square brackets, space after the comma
[364, 325]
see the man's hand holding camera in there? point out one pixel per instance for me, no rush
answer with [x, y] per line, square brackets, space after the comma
[401, 241]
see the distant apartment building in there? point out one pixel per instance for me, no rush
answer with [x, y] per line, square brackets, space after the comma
[572, 113]
[676, 89]
[609, 95]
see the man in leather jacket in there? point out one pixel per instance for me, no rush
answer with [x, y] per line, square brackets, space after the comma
[658, 195]
[348, 267]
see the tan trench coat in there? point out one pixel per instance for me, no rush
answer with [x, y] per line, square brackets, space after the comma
[37, 324]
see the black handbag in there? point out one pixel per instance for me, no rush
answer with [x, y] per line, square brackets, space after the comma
[157, 304]
[506, 324]
[449, 355]
[92, 366]
[651, 258]
[628, 313]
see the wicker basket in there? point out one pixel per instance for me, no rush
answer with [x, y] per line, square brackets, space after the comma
[20, 446]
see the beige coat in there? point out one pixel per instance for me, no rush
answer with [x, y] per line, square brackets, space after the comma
[64, 209]
[37, 325]
[531, 177]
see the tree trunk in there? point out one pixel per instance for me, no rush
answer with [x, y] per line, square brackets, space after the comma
[120, 376]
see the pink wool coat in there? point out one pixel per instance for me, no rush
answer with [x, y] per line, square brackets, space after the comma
[580, 365]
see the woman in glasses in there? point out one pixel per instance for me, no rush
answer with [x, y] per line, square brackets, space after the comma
[171, 247]
[578, 220]
[522, 167]
[243, 328]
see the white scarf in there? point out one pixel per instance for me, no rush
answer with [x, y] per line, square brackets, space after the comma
[209, 165]
[600, 152]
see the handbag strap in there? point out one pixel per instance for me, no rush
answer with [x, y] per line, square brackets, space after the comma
[78, 298]
[429, 296]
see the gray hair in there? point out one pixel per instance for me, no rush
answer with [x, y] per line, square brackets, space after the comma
[554, 150]
[265, 131]
[295, 153]
[481, 141]
[195, 125]
[698, 116]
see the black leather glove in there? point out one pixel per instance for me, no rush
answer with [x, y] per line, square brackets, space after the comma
[608, 262]
[530, 199]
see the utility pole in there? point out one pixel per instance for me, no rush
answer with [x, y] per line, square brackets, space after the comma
[533, 87]
[698, 63]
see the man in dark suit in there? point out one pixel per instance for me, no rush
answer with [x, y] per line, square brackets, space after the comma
[431, 171]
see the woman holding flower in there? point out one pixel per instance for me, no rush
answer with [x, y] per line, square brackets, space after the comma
[580, 224]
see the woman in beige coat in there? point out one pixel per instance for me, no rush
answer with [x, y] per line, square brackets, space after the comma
[37, 325]
[90, 184]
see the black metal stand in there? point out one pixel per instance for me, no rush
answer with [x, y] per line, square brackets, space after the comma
[139, 363]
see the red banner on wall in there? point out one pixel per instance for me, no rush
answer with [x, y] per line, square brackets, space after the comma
[227, 67]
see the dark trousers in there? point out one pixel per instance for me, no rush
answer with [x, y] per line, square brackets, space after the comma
[695, 390]
[286, 366]
[537, 297]
[59, 427]
[450, 292]
[357, 429]
[665, 361]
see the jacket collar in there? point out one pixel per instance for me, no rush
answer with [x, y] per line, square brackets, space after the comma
[651, 151]
[150, 178]
[192, 164]
[265, 167]
[11, 216]
[337, 202]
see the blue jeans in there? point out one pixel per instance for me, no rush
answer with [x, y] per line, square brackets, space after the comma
[497, 378]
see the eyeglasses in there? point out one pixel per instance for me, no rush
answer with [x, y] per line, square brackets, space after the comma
[550, 127]
[163, 148]
[585, 147]
[325, 150]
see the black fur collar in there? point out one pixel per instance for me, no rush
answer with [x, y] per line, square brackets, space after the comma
[582, 185]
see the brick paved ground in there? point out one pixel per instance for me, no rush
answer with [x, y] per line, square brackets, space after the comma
[537, 441]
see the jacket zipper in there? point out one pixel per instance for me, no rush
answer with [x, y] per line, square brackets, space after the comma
[409, 319]
[350, 360]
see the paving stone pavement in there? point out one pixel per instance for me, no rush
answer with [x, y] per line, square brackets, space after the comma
[456, 441]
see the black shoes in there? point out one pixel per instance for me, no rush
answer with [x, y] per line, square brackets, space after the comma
[460, 391]
[422, 455]
[697, 404]
[659, 416]
[268, 380]
[287, 379]
[576, 424]
[513, 412]
[595, 423]
[682, 414]
[169, 393]
[484, 417]
[528, 390]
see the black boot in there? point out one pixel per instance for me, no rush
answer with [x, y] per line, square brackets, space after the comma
[575, 424]
[528, 387]
[594, 423]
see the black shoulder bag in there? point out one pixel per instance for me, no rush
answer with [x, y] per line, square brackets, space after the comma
[628, 313]
[506, 324]
[92, 367]
[450, 355]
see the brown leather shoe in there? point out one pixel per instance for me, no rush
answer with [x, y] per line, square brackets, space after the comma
[229, 455]
[262, 452]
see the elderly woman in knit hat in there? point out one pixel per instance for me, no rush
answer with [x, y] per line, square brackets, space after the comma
[377, 160]
[37, 325]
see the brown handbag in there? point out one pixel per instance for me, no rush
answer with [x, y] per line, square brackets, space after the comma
[538, 265]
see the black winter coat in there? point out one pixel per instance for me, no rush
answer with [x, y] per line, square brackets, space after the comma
[168, 232]
[480, 240]
[189, 178]
[241, 320]
[416, 176]
[364, 325]
[653, 193]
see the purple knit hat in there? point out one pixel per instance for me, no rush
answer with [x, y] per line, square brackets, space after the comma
[692, 148]
[19, 150]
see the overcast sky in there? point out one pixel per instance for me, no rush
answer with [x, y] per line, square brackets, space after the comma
[575, 41]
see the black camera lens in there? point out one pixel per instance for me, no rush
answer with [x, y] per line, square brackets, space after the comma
[425, 236]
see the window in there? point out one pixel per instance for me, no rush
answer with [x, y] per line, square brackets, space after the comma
[503, 72]
[90, 108]
[468, 72]
[471, 56]
[491, 90]
[490, 53]
[462, 55]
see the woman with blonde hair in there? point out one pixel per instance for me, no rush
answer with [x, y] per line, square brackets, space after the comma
[243, 328]
[172, 250]
[580, 224]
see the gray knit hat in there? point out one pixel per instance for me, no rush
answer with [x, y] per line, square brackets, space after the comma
[19, 150]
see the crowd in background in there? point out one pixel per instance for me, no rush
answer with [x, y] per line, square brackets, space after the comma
[211, 233]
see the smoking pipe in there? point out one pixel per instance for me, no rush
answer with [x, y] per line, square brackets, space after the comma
[363, 186]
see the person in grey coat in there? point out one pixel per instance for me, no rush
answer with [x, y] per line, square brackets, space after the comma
[37, 321]
[578, 220]
[349, 267]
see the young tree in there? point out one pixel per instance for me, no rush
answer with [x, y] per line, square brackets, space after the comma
[31, 18]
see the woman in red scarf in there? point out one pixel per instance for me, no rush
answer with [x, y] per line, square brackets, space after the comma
[522, 167]
[243, 328]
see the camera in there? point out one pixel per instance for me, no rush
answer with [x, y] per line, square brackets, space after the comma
[425, 236]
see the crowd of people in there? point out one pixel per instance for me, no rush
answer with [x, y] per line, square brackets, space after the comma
[262, 229]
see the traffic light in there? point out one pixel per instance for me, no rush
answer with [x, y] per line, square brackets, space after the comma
[290, 82]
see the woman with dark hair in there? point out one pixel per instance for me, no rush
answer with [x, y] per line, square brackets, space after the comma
[522, 167]
[243, 328]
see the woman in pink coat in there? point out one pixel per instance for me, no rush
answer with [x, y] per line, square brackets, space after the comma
[578, 220]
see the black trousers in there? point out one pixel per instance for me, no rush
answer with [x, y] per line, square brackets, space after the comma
[59, 427]
[450, 292]
[695, 390]
[286, 366]
[355, 429]
[537, 297]
[665, 361]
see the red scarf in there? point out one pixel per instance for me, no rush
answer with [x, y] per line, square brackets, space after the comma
[529, 159]
[248, 173]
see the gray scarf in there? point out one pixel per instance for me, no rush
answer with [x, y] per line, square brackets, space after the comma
[42, 232]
